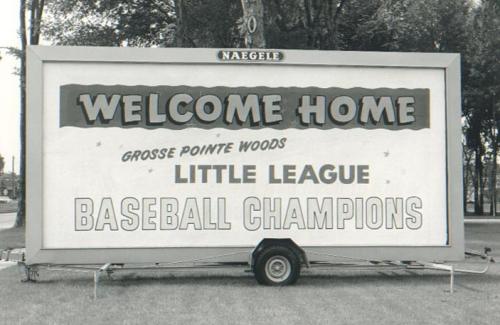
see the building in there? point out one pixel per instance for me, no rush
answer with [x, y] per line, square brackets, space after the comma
[9, 185]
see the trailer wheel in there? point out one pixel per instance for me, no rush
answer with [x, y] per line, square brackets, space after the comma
[277, 266]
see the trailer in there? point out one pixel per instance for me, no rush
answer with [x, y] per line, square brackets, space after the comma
[270, 159]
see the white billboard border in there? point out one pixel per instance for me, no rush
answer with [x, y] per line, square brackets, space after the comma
[38, 55]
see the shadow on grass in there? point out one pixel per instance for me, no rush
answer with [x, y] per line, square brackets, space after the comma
[133, 279]
[338, 280]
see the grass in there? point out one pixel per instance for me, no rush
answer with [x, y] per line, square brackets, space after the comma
[12, 238]
[478, 236]
[233, 297]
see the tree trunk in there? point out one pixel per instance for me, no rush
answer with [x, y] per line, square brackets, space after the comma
[493, 180]
[21, 212]
[479, 183]
[466, 176]
[332, 41]
[36, 12]
[36, 20]
[321, 22]
[180, 32]
[253, 13]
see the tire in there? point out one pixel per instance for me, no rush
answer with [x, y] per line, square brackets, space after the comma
[277, 266]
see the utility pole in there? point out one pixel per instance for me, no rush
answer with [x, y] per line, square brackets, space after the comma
[253, 17]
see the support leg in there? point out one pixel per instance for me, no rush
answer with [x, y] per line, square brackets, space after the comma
[97, 274]
[444, 267]
[96, 283]
[30, 272]
[452, 279]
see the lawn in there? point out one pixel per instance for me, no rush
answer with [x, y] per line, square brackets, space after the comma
[233, 297]
[12, 238]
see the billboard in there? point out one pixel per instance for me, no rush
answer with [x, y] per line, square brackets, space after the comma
[154, 154]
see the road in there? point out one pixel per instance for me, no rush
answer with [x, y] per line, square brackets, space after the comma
[7, 220]
[4, 264]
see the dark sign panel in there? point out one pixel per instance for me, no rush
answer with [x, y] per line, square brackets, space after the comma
[237, 108]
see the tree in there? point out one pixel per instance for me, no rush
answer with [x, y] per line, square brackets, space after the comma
[28, 37]
[303, 24]
[164, 23]
[201, 24]
[428, 25]
[253, 23]
[110, 23]
[464, 26]
[365, 26]
[481, 89]
[2, 164]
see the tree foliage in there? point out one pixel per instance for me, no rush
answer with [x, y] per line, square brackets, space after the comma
[2, 164]
[110, 22]
[209, 23]
[481, 78]
[143, 23]
[471, 28]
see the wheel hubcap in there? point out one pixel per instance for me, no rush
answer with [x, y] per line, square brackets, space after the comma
[278, 268]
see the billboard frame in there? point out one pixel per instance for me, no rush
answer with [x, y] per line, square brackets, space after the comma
[37, 56]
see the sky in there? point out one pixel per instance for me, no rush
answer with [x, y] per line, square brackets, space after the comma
[9, 86]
